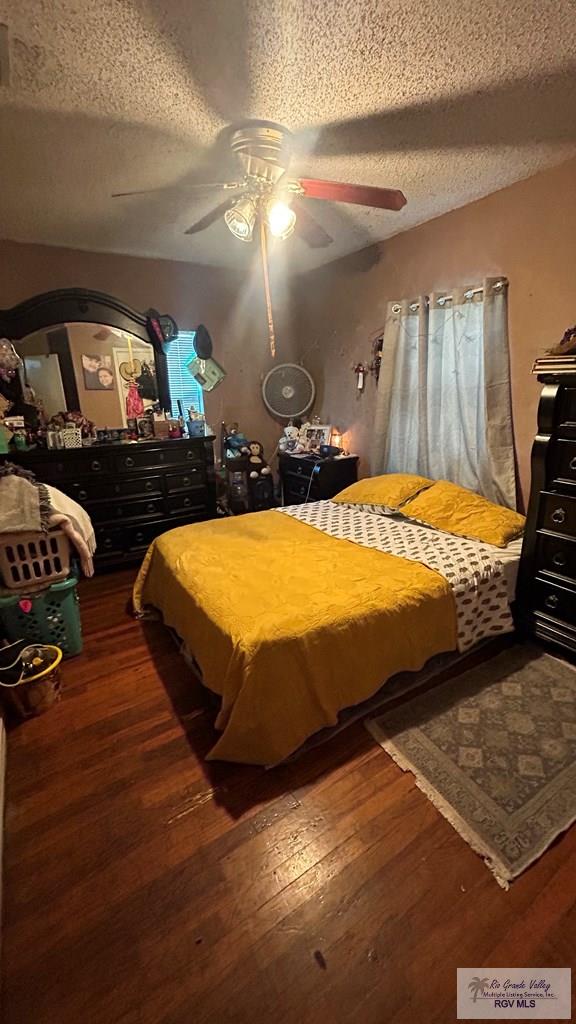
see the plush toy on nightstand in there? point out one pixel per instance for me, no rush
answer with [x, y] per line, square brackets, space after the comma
[290, 442]
[257, 464]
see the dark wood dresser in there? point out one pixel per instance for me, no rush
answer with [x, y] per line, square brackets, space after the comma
[132, 492]
[546, 592]
[305, 478]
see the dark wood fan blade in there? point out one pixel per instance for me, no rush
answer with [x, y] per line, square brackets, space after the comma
[214, 214]
[361, 195]
[309, 229]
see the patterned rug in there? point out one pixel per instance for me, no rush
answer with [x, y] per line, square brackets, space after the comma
[495, 751]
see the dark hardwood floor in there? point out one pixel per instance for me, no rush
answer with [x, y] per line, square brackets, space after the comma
[143, 886]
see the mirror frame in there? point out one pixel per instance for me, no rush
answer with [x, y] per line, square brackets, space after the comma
[81, 305]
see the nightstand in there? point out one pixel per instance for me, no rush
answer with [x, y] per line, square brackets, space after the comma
[305, 478]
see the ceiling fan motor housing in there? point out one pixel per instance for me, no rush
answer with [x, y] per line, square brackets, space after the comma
[264, 149]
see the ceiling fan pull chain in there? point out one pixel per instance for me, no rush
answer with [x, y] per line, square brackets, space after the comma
[264, 253]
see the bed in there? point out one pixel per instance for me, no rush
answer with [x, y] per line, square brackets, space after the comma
[296, 613]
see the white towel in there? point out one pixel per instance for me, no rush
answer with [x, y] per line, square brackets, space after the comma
[77, 525]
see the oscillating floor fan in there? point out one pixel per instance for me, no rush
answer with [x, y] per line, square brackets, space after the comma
[288, 391]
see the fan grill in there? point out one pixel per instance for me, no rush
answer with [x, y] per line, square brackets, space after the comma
[288, 390]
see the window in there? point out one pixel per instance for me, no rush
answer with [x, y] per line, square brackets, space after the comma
[179, 354]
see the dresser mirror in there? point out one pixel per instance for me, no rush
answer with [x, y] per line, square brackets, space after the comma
[88, 353]
[90, 368]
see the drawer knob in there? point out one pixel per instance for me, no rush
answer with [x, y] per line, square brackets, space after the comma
[551, 601]
[573, 463]
[299, 469]
[108, 542]
[558, 515]
[187, 501]
[189, 454]
[150, 507]
[129, 462]
[82, 495]
[149, 485]
[186, 480]
[559, 558]
[140, 538]
[95, 465]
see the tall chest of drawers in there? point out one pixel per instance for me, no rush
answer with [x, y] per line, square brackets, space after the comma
[132, 492]
[546, 592]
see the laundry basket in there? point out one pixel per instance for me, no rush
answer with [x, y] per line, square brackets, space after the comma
[50, 617]
[30, 558]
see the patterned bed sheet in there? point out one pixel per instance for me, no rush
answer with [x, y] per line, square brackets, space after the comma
[478, 574]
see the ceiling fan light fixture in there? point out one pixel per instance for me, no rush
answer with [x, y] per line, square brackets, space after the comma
[280, 218]
[241, 218]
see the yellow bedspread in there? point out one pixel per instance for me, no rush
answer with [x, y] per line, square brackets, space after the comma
[290, 625]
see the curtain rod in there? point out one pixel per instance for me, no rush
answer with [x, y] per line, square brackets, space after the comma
[442, 299]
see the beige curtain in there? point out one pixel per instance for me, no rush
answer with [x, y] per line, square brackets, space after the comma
[443, 406]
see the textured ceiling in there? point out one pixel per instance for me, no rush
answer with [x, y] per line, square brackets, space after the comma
[448, 100]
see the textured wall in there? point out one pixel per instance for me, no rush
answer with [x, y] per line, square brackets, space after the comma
[230, 305]
[525, 232]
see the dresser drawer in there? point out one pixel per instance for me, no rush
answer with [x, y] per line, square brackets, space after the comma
[555, 600]
[557, 513]
[295, 494]
[192, 504]
[301, 471]
[564, 461]
[108, 541]
[139, 537]
[192, 477]
[556, 554]
[120, 511]
[70, 466]
[157, 458]
[89, 490]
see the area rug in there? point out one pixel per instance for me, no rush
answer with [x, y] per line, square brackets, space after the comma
[495, 751]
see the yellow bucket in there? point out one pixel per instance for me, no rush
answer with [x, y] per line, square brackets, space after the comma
[37, 693]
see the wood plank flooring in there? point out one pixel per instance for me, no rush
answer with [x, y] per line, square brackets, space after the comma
[144, 886]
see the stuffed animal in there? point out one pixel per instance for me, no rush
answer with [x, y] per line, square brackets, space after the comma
[234, 441]
[257, 464]
[291, 442]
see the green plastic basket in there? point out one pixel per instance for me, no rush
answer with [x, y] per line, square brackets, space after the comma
[51, 617]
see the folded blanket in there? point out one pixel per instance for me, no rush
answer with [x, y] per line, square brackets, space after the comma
[24, 506]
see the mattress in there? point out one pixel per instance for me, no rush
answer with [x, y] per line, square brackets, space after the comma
[291, 622]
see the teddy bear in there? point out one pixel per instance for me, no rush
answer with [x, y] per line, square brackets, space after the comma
[257, 464]
[291, 440]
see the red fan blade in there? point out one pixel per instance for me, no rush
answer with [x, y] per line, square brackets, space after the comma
[209, 218]
[362, 195]
[309, 229]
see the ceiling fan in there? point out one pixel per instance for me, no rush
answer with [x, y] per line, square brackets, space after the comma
[265, 195]
[265, 190]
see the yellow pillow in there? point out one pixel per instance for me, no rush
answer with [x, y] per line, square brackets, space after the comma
[389, 491]
[454, 509]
